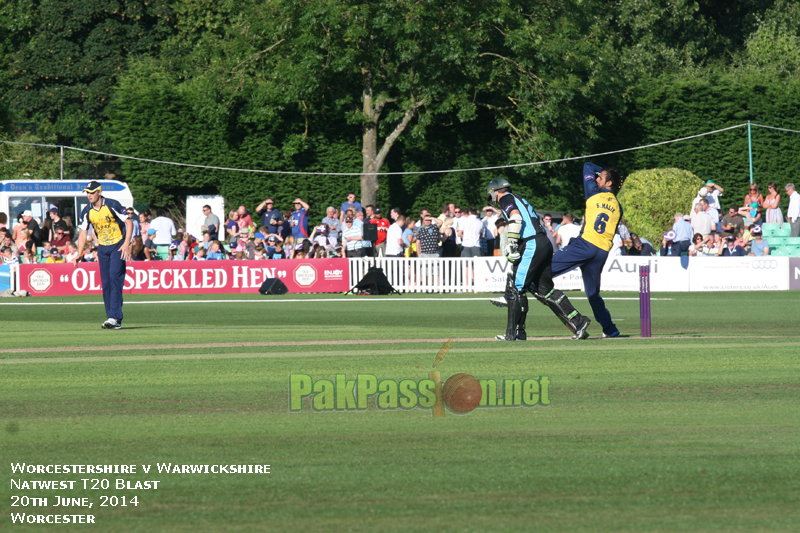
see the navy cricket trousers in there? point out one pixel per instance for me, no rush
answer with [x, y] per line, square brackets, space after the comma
[590, 259]
[112, 276]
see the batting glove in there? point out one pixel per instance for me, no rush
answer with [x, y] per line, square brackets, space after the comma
[512, 252]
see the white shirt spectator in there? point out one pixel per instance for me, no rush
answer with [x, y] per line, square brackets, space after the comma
[702, 223]
[394, 236]
[458, 224]
[568, 232]
[713, 199]
[165, 229]
[793, 212]
[472, 229]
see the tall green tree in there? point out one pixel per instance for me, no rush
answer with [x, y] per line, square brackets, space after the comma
[65, 73]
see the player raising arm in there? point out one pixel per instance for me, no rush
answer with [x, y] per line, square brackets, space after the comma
[589, 250]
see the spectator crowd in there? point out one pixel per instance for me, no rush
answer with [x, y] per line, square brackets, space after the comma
[353, 230]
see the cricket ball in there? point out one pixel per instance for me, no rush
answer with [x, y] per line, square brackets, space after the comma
[462, 393]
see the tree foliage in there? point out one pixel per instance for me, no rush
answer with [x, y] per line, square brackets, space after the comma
[650, 198]
[65, 73]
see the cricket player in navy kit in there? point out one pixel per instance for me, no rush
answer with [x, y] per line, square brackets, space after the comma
[589, 251]
[112, 226]
[531, 252]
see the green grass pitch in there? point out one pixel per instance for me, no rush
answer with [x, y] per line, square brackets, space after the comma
[695, 429]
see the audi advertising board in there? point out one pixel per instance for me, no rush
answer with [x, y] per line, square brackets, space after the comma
[794, 273]
[620, 273]
[741, 274]
[190, 277]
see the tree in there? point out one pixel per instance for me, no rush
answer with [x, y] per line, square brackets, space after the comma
[65, 73]
[391, 68]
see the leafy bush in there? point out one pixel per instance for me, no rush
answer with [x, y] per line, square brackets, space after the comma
[650, 199]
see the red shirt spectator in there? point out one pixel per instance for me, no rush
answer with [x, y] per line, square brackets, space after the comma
[383, 225]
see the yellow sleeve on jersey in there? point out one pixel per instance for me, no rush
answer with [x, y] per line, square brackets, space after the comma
[601, 219]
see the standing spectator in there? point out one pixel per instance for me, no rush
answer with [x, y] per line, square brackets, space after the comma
[351, 203]
[394, 213]
[383, 227]
[112, 226]
[422, 213]
[334, 226]
[714, 192]
[232, 228]
[490, 229]
[299, 221]
[567, 231]
[428, 237]
[683, 235]
[245, 219]
[286, 227]
[137, 230]
[732, 222]
[713, 213]
[444, 213]
[395, 247]
[793, 212]
[758, 246]
[3, 220]
[409, 239]
[270, 217]
[211, 223]
[56, 222]
[351, 238]
[772, 204]
[700, 195]
[470, 232]
[753, 196]
[448, 236]
[144, 224]
[550, 231]
[701, 221]
[33, 227]
[164, 227]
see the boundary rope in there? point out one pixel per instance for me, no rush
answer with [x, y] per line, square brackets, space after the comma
[418, 172]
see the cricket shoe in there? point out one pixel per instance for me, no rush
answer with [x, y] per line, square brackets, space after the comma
[611, 335]
[581, 333]
[504, 338]
[499, 302]
[111, 323]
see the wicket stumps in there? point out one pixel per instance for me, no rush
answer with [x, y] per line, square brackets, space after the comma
[644, 299]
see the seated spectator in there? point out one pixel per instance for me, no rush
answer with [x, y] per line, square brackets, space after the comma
[8, 257]
[731, 249]
[260, 252]
[732, 222]
[697, 248]
[137, 249]
[199, 253]
[714, 244]
[28, 257]
[640, 248]
[667, 243]
[91, 255]
[150, 247]
[277, 252]
[55, 256]
[758, 246]
[71, 252]
[754, 197]
[44, 255]
[216, 253]
[320, 235]
[60, 239]
[45, 247]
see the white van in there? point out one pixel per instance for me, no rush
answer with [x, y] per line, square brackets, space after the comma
[39, 196]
